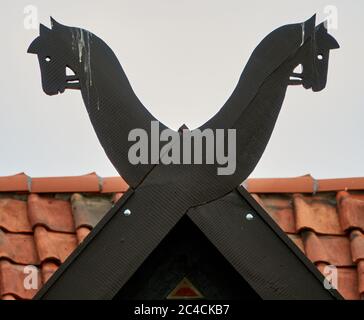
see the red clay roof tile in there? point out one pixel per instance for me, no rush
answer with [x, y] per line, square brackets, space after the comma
[114, 184]
[257, 199]
[360, 270]
[19, 248]
[82, 233]
[280, 201]
[86, 183]
[88, 211]
[52, 213]
[357, 245]
[316, 214]
[48, 268]
[18, 182]
[304, 184]
[348, 283]
[314, 249]
[13, 215]
[333, 250]
[284, 218]
[54, 246]
[13, 280]
[298, 241]
[351, 211]
[116, 197]
[280, 209]
[340, 184]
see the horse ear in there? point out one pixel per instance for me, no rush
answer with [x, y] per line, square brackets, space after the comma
[54, 23]
[34, 46]
[309, 26]
[330, 41]
[43, 30]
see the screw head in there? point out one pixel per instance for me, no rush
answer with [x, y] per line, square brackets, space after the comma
[127, 212]
[249, 216]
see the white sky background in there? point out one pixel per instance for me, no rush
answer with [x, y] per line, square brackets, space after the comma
[183, 59]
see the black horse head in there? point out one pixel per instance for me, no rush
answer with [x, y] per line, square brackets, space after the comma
[313, 56]
[57, 49]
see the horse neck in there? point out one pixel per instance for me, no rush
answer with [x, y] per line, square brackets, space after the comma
[104, 84]
[245, 92]
[249, 86]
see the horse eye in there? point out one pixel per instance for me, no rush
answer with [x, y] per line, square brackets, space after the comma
[48, 59]
[320, 57]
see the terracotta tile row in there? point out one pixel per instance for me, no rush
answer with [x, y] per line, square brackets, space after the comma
[328, 228]
[14, 215]
[54, 246]
[23, 281]
[93, 183]
[16, 281]
[317, 214]
[304, 184]
[19, 248]
[88, 211]
[86, 183]
[17, 182]
[42, 231]
[347, 281]
[281, 210]
[19, 216]
[52, 213]
[334, 251]
[328, 213]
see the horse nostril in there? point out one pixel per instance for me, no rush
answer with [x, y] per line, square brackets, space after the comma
[48, 59]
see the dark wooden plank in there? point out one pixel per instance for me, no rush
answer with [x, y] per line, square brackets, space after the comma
[264, 256]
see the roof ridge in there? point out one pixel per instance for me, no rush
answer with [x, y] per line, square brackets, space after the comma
[92, 182]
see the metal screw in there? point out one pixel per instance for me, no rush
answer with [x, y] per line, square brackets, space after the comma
[127, 212]
[249, 216]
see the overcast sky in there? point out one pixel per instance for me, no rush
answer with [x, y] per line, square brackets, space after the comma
[183, 59]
